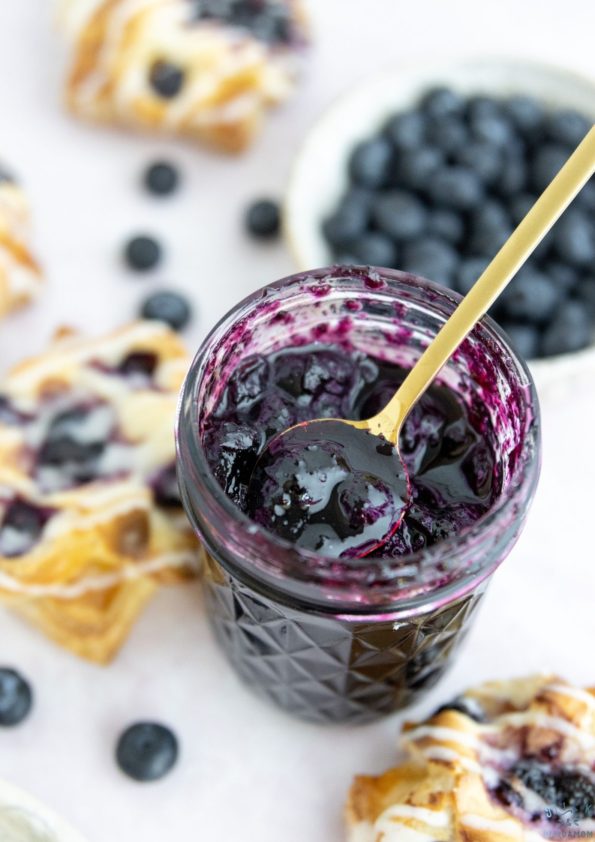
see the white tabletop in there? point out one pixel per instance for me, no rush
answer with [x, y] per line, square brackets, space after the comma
[247, 771]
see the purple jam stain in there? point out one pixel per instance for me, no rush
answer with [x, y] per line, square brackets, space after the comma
[21, 527]
[329, 488]
[451, 467]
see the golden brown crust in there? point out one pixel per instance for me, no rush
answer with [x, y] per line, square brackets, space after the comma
[472, 775]
[20, 274]
[231, 78]
[107, 541]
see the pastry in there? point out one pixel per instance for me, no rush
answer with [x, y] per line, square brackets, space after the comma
[90, 518]
[205, 69]
[20, 276]
[506, 762]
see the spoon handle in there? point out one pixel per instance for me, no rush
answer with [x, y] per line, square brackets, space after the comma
[551, 204]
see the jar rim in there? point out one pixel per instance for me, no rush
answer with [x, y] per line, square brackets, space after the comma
[287, 572]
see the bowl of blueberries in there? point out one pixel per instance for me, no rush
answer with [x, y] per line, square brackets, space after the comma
[428, 169]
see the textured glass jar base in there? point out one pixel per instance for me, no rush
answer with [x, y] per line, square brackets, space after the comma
[326, 669]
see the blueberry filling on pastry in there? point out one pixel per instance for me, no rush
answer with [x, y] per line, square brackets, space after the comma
[9, 414]
[165, 488]
[268, 21]
[138, 364]
[166, 78]
[21, 527]
[469, 707]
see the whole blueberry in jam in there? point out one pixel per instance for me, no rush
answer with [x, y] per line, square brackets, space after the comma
[330, 488]
[21, 527]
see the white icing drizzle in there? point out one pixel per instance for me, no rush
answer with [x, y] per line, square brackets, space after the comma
[436, 818]
[505, 827]
[555, 723]
[102, 582]
[392, 826]
[443, 735]
[449, 755]
[573, 693]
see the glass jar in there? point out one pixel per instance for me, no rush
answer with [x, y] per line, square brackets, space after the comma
[327, 639]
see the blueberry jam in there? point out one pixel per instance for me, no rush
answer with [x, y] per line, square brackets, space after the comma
[450, 466]
[330, 488]
[268, 21]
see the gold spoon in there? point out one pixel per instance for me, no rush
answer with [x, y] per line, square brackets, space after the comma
[319, 434]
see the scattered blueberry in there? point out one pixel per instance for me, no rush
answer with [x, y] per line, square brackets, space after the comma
[570, 330]
[16, 697]
[263, 219]
[407, 130]
[524, 338]
[568, 127]
[375, 249]
[166, 79]
[6, 176]
[142, 253]
[370, 163]
[574, 238]
[161, 178]
[147, 751]
[169, 307]
[456, 187]
[399, 214]
[442, 102]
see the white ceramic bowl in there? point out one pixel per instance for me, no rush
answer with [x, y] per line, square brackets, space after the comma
[24, 819]
[319, 174]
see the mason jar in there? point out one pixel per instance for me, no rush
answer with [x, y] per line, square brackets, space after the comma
[328, 639]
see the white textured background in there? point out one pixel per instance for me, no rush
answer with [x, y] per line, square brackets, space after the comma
[247, 771]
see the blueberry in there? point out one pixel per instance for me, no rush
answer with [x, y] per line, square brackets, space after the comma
[375, 249]
[468, 272]
[263, 219]
[527, 114]
[349, 220]
[142, 253]
[431, 258]
[563, 788]
[442, 102]
[138, 363]
[169, 307]
[370, 163]
[21, 528]
[564, 276]
[574, 238]
[493, 129]
[6, 176]
[484, 159]
[520, 205]
[166, 78]
[416, 167]
[585, 293]
[445, 224]
[480, 107]
[532, 296]
[147, 751]
[546, 163]
[524, 339]
[161, 178]
[407, 130]
[456, 187]
[16, 697]
[570, 330]
[586, 198]
[488, 241]
[489, 215]
[166, 489]
[62, 451]
[568, 127]
[507, 795]
[399, 214]
[448, 134]
[514, 175]
[467, 706]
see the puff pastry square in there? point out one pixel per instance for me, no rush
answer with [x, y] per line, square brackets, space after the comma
[20, 275]
[90, 518]
[507, 762]
[205, 69]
